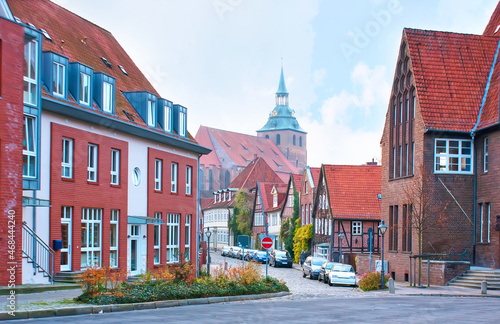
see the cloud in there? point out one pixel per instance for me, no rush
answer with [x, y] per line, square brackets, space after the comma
[351, 122]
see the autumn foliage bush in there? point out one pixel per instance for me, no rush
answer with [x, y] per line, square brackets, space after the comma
[371, 281]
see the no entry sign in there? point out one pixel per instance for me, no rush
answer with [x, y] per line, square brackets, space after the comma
[267, 242]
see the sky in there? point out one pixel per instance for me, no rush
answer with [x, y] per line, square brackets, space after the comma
[221, 59]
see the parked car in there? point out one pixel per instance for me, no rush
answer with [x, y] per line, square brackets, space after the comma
[280, 259]
[225, 250]
[342, 274]
[248, 254]
[260, 256]
[311, 267]
[239, 254]
[325, 270]
[234, 251]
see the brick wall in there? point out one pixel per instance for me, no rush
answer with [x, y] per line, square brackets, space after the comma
[488, 191]
[79, 193]
[441, 271]
[11, 150]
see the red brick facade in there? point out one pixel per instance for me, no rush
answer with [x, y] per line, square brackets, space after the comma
[11, 149]
[165, 201]
[80, 193]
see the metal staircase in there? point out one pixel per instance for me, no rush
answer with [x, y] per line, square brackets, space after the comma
[38, 253]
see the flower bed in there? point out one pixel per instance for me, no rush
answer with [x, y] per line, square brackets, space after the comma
[177, 282]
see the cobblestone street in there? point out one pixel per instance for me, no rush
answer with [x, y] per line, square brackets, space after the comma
[301, 288]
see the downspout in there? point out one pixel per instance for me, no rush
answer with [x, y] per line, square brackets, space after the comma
[198, 219]
[474, 207]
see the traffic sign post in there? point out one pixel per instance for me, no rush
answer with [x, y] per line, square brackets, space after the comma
[267, 242]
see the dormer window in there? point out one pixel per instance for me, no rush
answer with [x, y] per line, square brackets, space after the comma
[58, 79]
[84, 89]
[151, 113]
[107, 97]
[167, 118]
[182, 124]
[275, 200]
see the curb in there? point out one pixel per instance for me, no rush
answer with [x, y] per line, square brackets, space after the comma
[450, 295]
[98, 309]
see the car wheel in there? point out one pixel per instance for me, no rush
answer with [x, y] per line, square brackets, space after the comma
[310, 275]
[327, 280]
[319, 278]
[330, 284]
[303, 274]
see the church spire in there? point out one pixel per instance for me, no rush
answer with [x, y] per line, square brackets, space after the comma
[282, 93]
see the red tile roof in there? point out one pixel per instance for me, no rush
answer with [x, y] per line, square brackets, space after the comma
[489, 111]
[315, 175]
[240, 149]
[451, 72]
[257, 170]
[491, 28]
[297, 181]
[353, 191]
[267, 198]
[82, 41]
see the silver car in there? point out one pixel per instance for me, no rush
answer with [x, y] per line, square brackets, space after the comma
[312, 266]
[342, 274]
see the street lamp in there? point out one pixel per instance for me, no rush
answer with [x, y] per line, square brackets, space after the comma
[341, 238]
[382, 228]
[208, 233]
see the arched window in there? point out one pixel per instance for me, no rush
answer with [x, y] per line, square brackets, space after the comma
[300, 141]
[294, 140]
[210, 180]
[278, 139]
[227, 178]
[267, 136]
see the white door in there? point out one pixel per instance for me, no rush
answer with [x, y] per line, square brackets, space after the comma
[66, 238]
[134, 250]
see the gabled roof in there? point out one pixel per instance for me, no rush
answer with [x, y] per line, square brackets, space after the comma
[451, 72]
[492, 28]
[353, 191]
[257, 170]
[267, 197]
[82, 41]
[240, 149]
[314, 173]
[297, 181]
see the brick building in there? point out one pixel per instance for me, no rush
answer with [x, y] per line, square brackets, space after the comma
[439, 146]
[307, 194]
[346, 204]
[108, 167]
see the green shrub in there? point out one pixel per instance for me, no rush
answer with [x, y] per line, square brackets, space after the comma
[371, 281]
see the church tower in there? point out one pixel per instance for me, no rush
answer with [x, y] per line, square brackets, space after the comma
[283, 129]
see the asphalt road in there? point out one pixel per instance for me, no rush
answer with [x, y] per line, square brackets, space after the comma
[325, 310]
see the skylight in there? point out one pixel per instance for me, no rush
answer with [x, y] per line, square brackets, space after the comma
[44, 32]
[106, 62]
[123, 70]
[31, 25]
[498, 27]
[18, 20]
[244, 147]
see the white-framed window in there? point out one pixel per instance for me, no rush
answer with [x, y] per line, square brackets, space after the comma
[84, 89]
[31, 72]
[157, 238]
[310, 211]
[307, 215]
[67, 158]
[107, 97]
[357, 228]
[58, 79]
[92, 163]
[158, 174]
[329, 227]
[182, 124]
[91, 237]
[452, 156]
[167, 123]
[187, 241]
[113, 237]
[189, 176]
[485, 223]
[151, 113]
[173, 238]
[275, 200]
[259, 219]
[173, 187]
[115, 167]
[485, 154]
[29, 147]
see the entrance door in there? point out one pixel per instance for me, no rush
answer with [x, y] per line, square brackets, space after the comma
[134, 251]
[66, 238]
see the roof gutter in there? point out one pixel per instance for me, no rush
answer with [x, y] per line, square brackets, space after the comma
[111, 123]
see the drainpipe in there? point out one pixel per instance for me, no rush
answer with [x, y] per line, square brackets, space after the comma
[474, 206]
[198, 219]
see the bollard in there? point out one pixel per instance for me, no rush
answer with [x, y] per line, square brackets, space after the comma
[392, 290]
[225, 265]
[484, 287]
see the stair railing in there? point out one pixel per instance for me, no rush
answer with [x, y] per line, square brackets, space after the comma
[38, 252]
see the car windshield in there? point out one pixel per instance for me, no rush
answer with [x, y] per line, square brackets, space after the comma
[329, 265]
[318, 262]
[261, 253]
[281, 253]
[343, 268]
